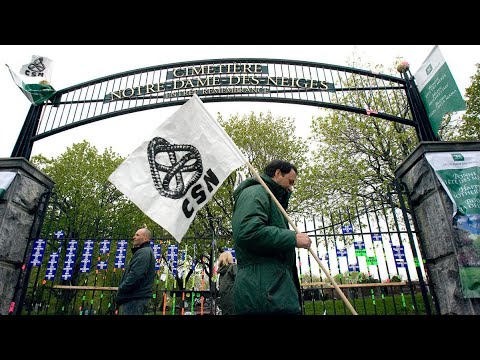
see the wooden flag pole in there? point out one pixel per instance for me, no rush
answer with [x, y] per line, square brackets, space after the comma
[326, 272]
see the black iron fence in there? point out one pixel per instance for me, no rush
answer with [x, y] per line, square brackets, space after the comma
[372, 252]
[367, 299]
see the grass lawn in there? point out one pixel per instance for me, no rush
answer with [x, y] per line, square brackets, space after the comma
[393, 304]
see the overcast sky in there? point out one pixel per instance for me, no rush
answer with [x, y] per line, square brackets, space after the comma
[74, 64]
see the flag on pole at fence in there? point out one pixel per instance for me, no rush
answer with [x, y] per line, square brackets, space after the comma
[179, 167]
[38, 90]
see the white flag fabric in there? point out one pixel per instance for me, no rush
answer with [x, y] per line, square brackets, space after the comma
[39, 67]
[178, 168]
[430, 66]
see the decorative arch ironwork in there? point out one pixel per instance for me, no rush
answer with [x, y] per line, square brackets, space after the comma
[227, 80]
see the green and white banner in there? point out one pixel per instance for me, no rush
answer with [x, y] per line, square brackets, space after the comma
[6, 178]
[459, 174]
[438, 89]
[36, 93]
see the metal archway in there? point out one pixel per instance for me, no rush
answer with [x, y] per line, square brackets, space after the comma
[223, 80]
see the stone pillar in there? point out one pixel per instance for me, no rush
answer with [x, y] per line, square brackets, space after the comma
[437, 236]
[18, 208]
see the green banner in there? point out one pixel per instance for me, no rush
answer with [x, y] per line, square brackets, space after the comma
[438, 89]
[36, 93]
[39, 92]
[459, 174]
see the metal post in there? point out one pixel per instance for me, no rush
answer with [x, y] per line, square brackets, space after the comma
[24, 144]
[424, 128]
[402, 190]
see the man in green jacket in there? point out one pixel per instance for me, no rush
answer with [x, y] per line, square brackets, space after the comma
[267, 278]
[135, 286]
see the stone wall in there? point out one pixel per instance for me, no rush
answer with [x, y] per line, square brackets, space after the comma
[17, 216]
[433, 211]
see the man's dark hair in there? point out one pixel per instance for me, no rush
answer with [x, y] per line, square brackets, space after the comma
[284, 166]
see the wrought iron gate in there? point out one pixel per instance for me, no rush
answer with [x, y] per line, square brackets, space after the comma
[374, 254]
[372, 250]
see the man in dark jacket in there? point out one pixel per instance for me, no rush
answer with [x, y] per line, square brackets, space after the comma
[135, 287]
[267, 278]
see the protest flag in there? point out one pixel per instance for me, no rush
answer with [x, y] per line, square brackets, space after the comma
[179, 167]
[39, 67]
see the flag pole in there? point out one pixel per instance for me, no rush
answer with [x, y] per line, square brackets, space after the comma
[254, 171]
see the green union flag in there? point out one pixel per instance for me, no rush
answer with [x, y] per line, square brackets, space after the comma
[36, 93]
[438, 89]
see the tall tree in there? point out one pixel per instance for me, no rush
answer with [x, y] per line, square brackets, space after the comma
[356, 154]
[92, 204]
[466, 127]
[263, 138]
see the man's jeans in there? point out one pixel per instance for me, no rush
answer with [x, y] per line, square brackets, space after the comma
[134, 307]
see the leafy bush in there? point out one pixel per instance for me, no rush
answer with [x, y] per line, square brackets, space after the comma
[354, 277]
[395, 278]
[366, 278]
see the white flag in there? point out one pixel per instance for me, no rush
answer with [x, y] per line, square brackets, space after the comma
[178, 169]
[39, 67]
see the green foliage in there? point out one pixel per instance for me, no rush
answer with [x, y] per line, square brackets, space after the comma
[366, 278]
[97, 209]
[353, 277]
[395, 278]
[468, 126]
[92, 204]
[261, 138]
[355, 154]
